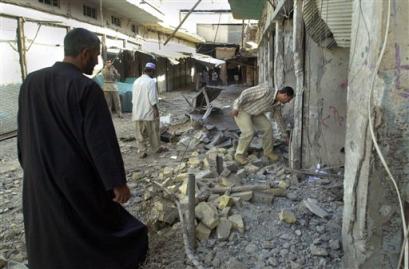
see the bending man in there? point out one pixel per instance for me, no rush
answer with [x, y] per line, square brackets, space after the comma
[249, 113]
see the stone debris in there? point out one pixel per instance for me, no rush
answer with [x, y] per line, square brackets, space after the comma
[334, 244]
[243, 196]
[207, 214]
[262, 197]
[165, 211]
[237, 222]
[230, 224]
[318, 251]
[223, 229]
[202, 232]
[225, 201]
[313, 206]
[183, 187]
[278, 192]
[287, 216]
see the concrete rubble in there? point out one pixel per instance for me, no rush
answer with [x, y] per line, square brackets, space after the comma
[253, 213]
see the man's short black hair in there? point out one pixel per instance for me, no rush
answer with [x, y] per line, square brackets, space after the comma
[287, 90]
[78, 39]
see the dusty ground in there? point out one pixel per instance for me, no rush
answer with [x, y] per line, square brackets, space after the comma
[311, 242]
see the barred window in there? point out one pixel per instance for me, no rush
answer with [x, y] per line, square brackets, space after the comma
[90, 12]
[116, 21]
[54, 3]
[134, 28]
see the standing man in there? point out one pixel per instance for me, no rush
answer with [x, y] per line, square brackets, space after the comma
[74, 178]
[215, 77]
[145, 111]
[110, 89]
[249, 112]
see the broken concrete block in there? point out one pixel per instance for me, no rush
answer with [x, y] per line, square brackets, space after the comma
[242, 173]
[334, 244]
[232, 166]
[229, 181]
[251, 169]
[237, 222]
[205, 174]
[237, 201]
[207, 214]
[262, 197]
[277, 192]
[223, 229]
[181, 168]
[202, 232]
[183, 188]
[195, 162]
[317, 251]
[287, 216]
[313, 206]
[225, 211]
[283, 184]
[137, 175]
[181, 177]
[225, 173]
[165, 211]
[172, 188]
[213, 197]
[167, 172]
[149, 193]
[224, 201]
[244, 196]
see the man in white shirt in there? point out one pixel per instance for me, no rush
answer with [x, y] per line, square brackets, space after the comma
[145, 112]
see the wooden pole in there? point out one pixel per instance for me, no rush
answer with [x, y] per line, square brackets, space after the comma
[191, 211]
[255, 187]
[21, 45]
[180, 24]
[298, 52]
[242, 34]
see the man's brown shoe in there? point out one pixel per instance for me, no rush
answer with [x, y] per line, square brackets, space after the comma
[272, 157]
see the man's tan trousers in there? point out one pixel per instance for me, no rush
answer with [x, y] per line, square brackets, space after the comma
[247, 124]
[113, 101]
[147, 136]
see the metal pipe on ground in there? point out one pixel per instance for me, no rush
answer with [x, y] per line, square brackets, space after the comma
[191, 183]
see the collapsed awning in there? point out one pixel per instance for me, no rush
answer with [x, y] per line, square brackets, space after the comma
[172, 56]
[207, 59]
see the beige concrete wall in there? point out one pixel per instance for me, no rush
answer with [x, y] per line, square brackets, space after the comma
[372, 224]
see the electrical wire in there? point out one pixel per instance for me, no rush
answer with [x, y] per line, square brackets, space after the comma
[35, 36]
[217, 29]
[375, 142]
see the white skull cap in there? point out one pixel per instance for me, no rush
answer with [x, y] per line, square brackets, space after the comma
[150, 66]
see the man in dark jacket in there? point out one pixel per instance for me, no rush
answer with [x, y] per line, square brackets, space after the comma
[74, 178]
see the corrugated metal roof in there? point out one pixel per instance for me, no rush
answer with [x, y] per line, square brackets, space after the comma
[315, 26]
[338, 16]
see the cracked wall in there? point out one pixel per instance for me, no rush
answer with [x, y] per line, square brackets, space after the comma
[372, 227]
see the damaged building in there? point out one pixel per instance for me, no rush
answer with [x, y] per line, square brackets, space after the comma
[348, 62]
[337, 197]
[32, 34]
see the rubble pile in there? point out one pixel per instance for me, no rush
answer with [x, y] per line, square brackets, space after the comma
[249, 216]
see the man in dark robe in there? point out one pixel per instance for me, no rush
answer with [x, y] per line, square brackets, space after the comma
[74, 178]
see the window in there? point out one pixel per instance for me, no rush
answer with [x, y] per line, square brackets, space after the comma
[116, 21]
[54, 3]
[89, 12]
[134, 29]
